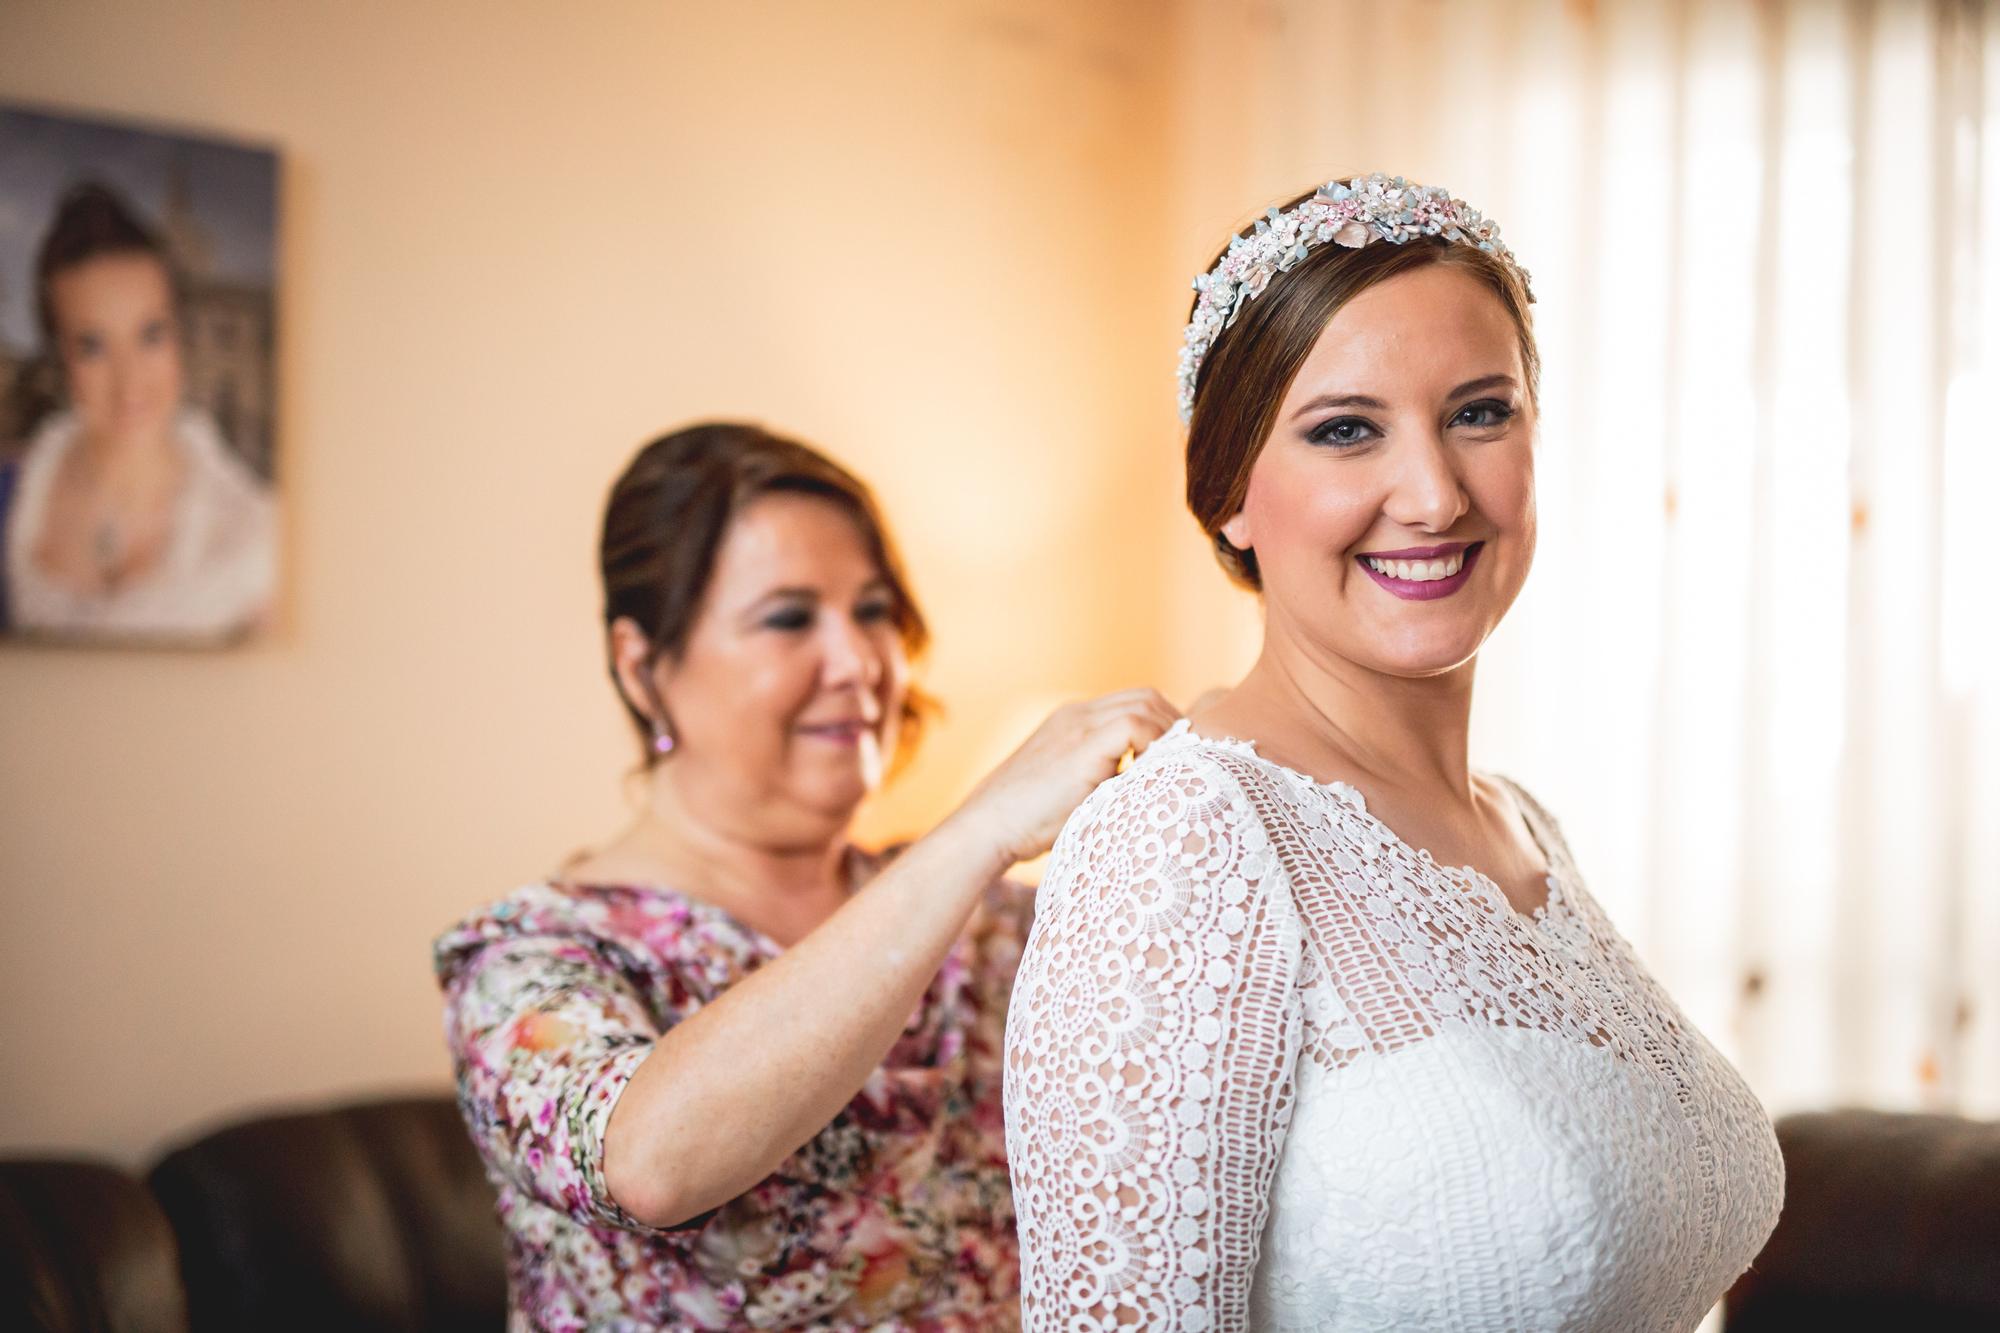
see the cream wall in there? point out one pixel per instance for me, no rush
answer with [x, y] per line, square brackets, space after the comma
[518, 240]
[949, 241]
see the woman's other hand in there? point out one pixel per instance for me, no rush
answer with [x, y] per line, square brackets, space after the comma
[1019, 807]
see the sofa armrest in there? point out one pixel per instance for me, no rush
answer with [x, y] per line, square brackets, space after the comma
[1890, 1221]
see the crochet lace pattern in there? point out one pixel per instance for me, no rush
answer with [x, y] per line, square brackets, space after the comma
[1270, 1067]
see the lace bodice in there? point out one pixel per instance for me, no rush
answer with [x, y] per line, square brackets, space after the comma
[1270, 1067]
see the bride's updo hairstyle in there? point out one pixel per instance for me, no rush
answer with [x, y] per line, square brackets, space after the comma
[1250, 365]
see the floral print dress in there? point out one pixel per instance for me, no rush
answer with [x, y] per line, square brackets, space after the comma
[896, 1216]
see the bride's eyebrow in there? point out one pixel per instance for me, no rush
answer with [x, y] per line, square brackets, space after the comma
[1327, 400]
[1482, 383]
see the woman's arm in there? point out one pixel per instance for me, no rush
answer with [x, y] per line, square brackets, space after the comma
[727, 1095]
[545, 1030]
[1150, 1048]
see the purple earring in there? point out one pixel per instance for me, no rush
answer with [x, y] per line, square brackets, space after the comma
[663, 741]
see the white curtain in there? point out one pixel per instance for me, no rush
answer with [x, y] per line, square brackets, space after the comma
[1757, 669]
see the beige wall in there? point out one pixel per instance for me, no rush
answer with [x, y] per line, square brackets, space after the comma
[949, 241]
[518, 240]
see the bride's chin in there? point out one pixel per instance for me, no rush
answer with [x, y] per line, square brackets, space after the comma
[1422, 657]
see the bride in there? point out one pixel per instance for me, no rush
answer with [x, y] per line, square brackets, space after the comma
[1318, 1027]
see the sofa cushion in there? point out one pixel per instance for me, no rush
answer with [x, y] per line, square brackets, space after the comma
[375, 1216]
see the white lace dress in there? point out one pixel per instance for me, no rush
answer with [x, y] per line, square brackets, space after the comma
[1269, 1067]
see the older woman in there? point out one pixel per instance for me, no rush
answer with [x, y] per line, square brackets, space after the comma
[731, 1070]
[1319, 1027]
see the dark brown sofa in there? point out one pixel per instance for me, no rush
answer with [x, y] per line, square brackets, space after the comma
[84, 1246]
[1891, 1222]
[376, 1216]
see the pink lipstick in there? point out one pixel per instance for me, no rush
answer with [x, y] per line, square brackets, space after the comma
[1415, 574]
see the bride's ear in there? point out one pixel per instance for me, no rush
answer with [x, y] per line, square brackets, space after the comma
[1237, 531]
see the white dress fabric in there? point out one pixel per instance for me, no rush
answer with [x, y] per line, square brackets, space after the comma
[214, 579]
[1269, 1067]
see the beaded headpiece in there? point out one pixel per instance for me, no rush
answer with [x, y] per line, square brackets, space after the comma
[1365, 209]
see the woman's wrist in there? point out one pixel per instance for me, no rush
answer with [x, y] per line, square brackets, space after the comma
[962, 838]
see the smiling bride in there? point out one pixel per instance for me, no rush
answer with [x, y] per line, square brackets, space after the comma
[1318, 1027]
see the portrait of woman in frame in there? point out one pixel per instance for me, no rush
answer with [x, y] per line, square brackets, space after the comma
[137, 422]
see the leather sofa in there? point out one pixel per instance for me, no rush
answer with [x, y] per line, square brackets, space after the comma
[372, 1216]
[1891, 1222]
[85, 1246]
[376, 1216]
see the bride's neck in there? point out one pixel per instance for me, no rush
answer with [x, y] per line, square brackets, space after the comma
[1409, 732]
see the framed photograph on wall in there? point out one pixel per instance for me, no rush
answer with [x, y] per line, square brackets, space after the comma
[138, 450]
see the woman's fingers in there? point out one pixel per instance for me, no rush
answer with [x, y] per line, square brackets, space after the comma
[1139, 718]
[1165, 714]
[1079, 745]
[1150, 710]
[1127, 700]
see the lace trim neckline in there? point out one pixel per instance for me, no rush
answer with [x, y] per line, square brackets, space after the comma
[1350, 796]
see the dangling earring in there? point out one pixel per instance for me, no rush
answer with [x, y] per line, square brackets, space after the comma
[663, 740]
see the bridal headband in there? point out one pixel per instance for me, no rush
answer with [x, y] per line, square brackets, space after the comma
[1365, 209]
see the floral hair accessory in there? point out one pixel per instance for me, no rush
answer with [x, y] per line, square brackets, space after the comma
[1365, 209]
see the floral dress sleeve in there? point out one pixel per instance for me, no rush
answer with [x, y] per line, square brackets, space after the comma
[545, 1032]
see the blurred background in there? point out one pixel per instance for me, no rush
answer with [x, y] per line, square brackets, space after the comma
[1754, 671]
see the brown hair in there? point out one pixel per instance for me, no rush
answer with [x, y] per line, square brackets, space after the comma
[670, 509]
[91, 222]
[1252, 363]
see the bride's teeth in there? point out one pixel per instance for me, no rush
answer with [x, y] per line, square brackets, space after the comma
[1419, 571]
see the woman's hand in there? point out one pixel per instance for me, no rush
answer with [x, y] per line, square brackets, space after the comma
[699, 1123]
[1019, 807]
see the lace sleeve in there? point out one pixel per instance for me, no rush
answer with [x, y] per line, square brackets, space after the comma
[1150, 1048]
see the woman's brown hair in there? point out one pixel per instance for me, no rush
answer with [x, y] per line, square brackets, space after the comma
[91, 222]
[670, 509]
[1251, 365]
